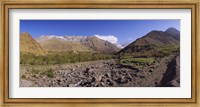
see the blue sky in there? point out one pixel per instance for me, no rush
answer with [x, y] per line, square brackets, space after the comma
[123, 30]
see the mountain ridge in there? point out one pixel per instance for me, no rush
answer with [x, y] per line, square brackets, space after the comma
[153, 39]
[87, 42]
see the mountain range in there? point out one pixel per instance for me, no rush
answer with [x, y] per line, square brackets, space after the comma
[154, 39]
[51, 43]
[43, 44]
[76, 44]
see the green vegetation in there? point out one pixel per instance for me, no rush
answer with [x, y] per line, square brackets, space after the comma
[156, 52]
[49, 72]
[24, 77]
[35, 71]
[165, 51]
[61, 58]
[142, 58]
[138, 62]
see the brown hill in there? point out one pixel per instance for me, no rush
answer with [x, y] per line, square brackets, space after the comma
[99, 45]
[59, 45]
[154, 39]
[76, 43]
[29, 45]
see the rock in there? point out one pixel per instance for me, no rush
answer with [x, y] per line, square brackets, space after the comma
[103, 84]
[99, 78]
[135, 74]
[151, 70]
[97, 84]
[77, 66]
[87, 69]
[90, 80]
[108, 75]
[93, 79]
[58, 81]
[153, 66]
[72, 69]
[142, 76]
[109, 82]
[122, 80]
[90, 70]
[75, 85]
[71, 85]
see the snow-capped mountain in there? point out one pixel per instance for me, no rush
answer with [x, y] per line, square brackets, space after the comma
[83, 43]
[63, 38]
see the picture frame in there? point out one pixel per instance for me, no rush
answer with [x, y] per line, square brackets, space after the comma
[6, 5]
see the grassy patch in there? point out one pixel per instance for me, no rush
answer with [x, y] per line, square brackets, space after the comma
[62, 58]
[35, 71]
[157, 52]
[137, 60]
[49, 72]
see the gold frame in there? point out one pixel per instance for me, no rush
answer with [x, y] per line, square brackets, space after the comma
[6, 5]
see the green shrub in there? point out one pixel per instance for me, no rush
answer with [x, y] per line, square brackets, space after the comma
[61, 58]
[24, 77]
[136, 60]
[49, 73]
[35, 71]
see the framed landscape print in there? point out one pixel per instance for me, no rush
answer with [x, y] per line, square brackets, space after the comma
[100, 52]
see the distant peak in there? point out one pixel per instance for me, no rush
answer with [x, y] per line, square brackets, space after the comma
[155, 32]
[25, 34]
[174, 32]
[171, 29]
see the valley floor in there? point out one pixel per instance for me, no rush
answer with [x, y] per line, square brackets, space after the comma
[163, 72]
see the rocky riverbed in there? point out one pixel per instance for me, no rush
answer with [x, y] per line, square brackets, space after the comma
[163, 72]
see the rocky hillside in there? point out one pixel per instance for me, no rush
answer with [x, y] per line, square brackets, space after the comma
[174, 32]
[60, 45]
[76, 43]
[100, 45]
[154, 39]
[29, 45]
[172, 74]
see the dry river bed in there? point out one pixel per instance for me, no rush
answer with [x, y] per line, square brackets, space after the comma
[164, 72]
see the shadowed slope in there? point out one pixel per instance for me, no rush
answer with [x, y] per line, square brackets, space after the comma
[154, 39]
